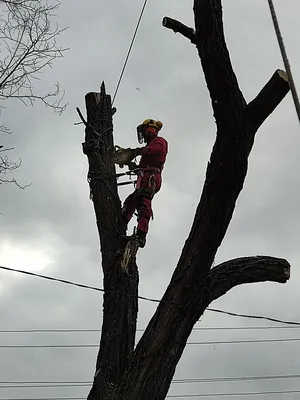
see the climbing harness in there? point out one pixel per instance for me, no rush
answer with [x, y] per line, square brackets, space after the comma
[131, 173]
[285, 58]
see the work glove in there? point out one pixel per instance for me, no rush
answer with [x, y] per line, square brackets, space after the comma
[138, 151]
[131, 165]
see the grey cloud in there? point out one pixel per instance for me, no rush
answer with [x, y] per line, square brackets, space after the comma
[56, 215]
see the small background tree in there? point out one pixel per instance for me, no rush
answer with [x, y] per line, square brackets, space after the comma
[28, 45]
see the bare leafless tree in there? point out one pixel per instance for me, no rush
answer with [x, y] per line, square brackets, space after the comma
[27, 45]
[144, 371]
[7, 166]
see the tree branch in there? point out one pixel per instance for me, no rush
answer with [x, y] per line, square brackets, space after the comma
[162, 344]
[227, 99]
[275, 90]
[177, 26]
[243, 270]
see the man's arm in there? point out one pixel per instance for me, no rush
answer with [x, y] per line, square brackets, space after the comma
[158, 147]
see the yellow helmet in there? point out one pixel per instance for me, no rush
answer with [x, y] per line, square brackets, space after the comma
[153, 124]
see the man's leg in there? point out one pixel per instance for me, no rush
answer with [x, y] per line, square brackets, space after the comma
[143, 205]
[150, 187]
[128, 208]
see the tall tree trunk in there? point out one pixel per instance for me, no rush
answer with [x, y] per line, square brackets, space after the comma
[119, 310]
[160, 348]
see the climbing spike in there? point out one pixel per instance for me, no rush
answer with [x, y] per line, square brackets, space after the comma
[129, 254]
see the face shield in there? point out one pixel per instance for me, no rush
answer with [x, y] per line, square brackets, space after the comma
[141, 129]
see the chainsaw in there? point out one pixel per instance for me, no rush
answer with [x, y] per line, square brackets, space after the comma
[123, 156]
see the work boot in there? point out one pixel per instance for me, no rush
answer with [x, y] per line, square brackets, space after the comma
[139, 236]
[125, 222]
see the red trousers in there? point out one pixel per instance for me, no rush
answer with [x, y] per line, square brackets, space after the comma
[141, 199]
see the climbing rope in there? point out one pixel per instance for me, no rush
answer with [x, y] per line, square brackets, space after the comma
[285, 58]
[129, 50]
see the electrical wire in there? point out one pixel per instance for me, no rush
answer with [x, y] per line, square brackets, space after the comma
[232, 314]
[54, 384]
[79, 284]
[229, 394]
[171, 396]
[217, 328]
[44, 398]
[147, 298]
[129, 50]
[235, 379]
[285, 58]
[62, 346]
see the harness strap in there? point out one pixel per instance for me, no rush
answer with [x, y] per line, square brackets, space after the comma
[151, 169]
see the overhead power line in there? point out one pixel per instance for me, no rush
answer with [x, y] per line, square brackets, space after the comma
[129, 50]
[44, 398]
[78, 330]
[172, 396]
[146, 298]
[232, 314]
[67, 282]
[244, 341]
[231, 394]
[84, 345]
[236, 379]
[46, 384]
[285, 57]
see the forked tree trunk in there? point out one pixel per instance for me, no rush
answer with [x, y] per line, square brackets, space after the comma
[194, 285]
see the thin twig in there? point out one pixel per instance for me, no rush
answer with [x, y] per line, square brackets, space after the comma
[81, 117]
[87, 124]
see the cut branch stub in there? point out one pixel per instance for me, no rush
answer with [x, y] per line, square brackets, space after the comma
[267, 99]
[243, 270]
[177, 26]
[102, 89]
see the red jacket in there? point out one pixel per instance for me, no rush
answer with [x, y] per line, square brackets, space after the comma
[154, 153]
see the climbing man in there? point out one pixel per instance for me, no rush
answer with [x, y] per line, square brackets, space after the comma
[153, 157]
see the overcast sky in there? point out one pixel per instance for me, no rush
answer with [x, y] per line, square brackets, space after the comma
[50, 227]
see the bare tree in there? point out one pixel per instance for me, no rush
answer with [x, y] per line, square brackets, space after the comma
[145, 371]
[6, 166]
[28, 45]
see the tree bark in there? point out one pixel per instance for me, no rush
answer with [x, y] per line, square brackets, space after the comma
[267, 100]
[177, 26]
[147, 373]
[160, 348]
[243, 270]
[119, 311]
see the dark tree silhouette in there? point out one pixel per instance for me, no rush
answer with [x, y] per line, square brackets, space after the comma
[145, 372]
